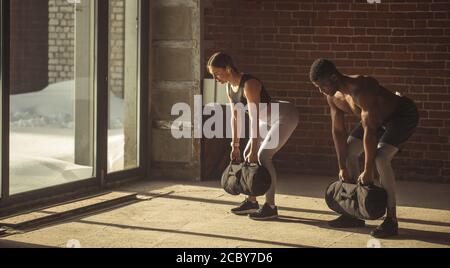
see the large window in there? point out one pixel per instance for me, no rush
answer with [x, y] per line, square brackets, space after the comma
[71, 104]
[52, 61]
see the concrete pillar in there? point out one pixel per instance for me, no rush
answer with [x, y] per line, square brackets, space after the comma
[176, 77]
[131, 104]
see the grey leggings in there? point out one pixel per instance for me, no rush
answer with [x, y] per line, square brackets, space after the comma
[383, 159]
[281, 128]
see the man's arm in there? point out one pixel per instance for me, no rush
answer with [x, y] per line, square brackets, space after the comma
[339, 132]
[370, 118]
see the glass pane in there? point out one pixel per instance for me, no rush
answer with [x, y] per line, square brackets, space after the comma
[123, 87]
[52, 93]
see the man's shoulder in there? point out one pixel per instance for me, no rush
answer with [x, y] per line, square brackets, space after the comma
[330, 99]
[365, 85]
[364, 80]
[334, 101]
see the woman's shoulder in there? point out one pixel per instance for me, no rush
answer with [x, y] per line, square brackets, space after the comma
[252, 82]
[247, 76]
[249, 79]
[252, 86]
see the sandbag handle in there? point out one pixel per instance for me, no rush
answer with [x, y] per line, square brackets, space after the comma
[230, 167]
[366, 185]
[248, 164]
[348, 196]
[353, 194]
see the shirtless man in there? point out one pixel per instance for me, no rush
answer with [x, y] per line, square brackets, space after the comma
[387, 121]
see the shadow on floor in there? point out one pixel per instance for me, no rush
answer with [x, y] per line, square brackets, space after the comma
[14, 244]
[302, 210]
[315, 186]
[404, 233]
[440, 238]
[274, 243]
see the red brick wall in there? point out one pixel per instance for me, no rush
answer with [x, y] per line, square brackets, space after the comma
[404, 44]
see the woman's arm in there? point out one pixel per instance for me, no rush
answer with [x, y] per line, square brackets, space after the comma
[235, 151]
[252, 92]
[234, 124]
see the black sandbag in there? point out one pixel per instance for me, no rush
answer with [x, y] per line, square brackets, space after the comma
[230, 179]
[366, 202]
[255, 180]
[252, 180]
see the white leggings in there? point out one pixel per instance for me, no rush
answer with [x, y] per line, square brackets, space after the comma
[281, 128]
[383, 159]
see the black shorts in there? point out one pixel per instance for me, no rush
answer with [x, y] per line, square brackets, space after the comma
[398, 128]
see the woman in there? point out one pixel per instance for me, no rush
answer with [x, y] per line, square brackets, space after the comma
[247, 90]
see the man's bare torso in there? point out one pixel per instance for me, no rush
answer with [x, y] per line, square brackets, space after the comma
[366, 87]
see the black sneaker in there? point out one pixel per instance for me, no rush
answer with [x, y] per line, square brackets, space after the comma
[346, 222]
[388, 228]
[265, 213]
[246, 207]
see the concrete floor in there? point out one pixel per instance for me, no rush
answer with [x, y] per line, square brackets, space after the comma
[196, 215]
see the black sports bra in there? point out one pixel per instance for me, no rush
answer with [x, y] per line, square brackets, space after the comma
[238, 97]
